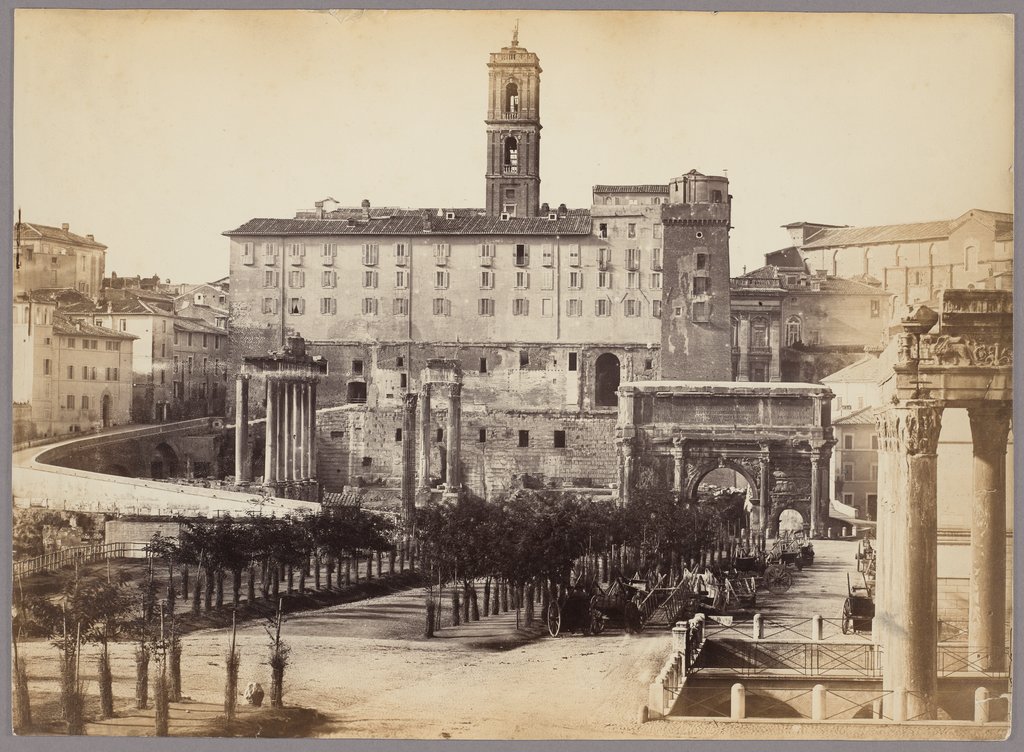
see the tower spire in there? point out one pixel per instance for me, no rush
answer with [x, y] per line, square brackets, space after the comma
[515, 34]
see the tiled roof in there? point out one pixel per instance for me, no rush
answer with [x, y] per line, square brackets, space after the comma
[184, 324]
[863, 417]
[761, 272]
[423, 222]
[645, 188]
[794, 225]
[67, 299]
[849, 287]
[58, 235]
[868, 368]
[881, 234]
[65, 325]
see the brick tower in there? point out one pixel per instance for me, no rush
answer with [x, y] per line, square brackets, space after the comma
[513, 131]
[696, 336]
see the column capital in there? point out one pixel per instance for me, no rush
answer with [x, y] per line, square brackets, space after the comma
[410, 400]
[425, 388]
[990, 425]
[455, 390]
[912, 427]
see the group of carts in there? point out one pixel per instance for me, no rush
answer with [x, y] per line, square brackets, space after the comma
[859, 607]
[631, 604]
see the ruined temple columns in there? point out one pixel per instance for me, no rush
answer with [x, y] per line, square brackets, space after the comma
[243, 469]
[313, 472]
[271, 442]
[298, 441]
[425, 438]
[409, 458]
[987, 605]
[908, 609]
[454, 436]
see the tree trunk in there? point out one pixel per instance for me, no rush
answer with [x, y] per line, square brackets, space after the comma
[401, 557]
[197, 595]
[302, 580]
[142, 672]
[504, 596]
[106, 684]
[455, 606]
[220, 588]
[316, 571]
[391, 561]
[428, 630]
[545, 598]
[474, 609]
[208, 589]
[329, 571]
[369, 565]
[380, 564]
[174, 669]
[251, 592]
[291, 577]
[487, 597]
[275, 586]
[529, 604]
[236, 587]
[465, 603]
[184, 583]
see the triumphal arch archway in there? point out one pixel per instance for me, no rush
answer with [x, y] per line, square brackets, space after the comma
[778, 436]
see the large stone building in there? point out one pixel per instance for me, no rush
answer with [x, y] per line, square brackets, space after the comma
[47, 256]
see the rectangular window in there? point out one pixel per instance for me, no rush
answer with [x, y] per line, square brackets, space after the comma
[441, 279]
[848, 471]
[440, 435]
[297, 306]
[442, 307]
[270, 305]
[71, 342]
[401, 254]
[602, 230]
[85, 372]
[524, 358]
[574, 254]
[403, 380]
[328, 252]
[631, 230]
[848, 499]
[657, 230]
[656, 259]
[441, 253]
[700, 312]
[847, 441]
[559, 441]
[401, 279]
[522, 255]
[398, 434]
[573, 361]
[602, 307]
[545, 307]
[876, 309]
[547, 279]
[481, 435]
[399, 362]
[46, 366]
[400, 307]
[520, 307]
[269, 253]
[486, 280]
[329, 279]
[370, 279]
[631, 307]
[702, 261]
[71, 402]
[486, 253]
[107, 376]
[701, 285]
[123, 325]
[656, 280]
[656, 309]
[604, 258]
[248, 253]
[633, 280]
[522, 280]
[575, 280]
[370, 254]
[270, 278]
[328, 306]
[547, 255]
[573, 307]
[369, 306]
[874, 472]
[485, 307]
[71, 372]
[524, 439]
[357, 367]
[206, 340]
[604, 280]
[190, 364]
[632, 259]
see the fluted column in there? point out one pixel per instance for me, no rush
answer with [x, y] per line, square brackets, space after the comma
[409, 459]
[909, 434]
[990, 425]
[313, 471]
[298, 439]
[243, 466]
[271, 425]
[454, 436]
[425, 438]
[283, 445]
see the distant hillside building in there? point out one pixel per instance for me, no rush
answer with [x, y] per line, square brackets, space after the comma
[46, 256]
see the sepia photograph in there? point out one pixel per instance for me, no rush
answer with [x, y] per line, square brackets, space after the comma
[331, 419]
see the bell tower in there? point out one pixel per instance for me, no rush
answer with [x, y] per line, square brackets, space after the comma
[513, 131]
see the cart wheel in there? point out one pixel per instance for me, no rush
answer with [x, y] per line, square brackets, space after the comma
[554, 619]
[847, 617]
[596, 621]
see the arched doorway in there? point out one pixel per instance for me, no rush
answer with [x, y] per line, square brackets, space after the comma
[790, 520]
[106, 410]
[164, 462]
[606, 381]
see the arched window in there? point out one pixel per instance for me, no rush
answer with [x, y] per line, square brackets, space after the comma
[794, 333]
[970, 259]
[511, 155]
[607, 200]
[512, 99]
[759, 332]
[606, 380]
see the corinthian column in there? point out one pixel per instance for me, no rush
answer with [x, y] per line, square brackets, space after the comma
[270, 443]
[409, 459]
[990, 425]
[910, 434]
[454, 436]
[425, 438]
[243, 469]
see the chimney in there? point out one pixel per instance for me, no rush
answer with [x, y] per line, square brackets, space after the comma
[319, 209]
[90, 237]
[426, 222]
[65, 226]
[366, 208]
[545, 209]
[562, 211]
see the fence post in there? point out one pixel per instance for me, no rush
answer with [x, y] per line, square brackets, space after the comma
[818, 702]
[816, 627]
[981, 708]
[737, 702]
[758, 627]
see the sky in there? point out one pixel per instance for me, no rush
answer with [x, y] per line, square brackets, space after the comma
[156, 131]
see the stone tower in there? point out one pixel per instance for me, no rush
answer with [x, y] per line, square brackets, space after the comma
[513, 131]
[696, 341]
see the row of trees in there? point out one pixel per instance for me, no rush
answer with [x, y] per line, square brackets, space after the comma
[532, 539]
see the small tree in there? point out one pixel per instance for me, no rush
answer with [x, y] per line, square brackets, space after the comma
[231, 662]
[278, 658]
